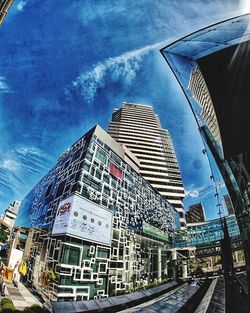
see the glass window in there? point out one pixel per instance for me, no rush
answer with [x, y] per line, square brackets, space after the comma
[102, 253]
[104, 202]
[106, 147]
[106, 190]
[113, 183]
[76, 155]
[115, 158]
[91, 182]
[106, 178]
[60, 189]
[89, 156]
[48, 190]
[101, 156]
[98, 174]
[99, 141]
[86, 166]
[71, 255]
[129, 178]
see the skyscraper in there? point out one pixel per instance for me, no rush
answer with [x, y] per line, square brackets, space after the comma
[200, 93]
[221, 52]
[138, 128]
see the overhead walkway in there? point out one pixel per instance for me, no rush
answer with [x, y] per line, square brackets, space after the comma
[206, 233]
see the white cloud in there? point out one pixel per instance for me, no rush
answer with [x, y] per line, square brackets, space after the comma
[21, 5]
[96, 10]
[245, 6]
[17, 166]
[191, 194]
[122, 68]
[9, 164]
[194, 193]
[4, 88]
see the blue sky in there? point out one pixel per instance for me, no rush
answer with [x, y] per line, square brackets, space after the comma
[64, 66]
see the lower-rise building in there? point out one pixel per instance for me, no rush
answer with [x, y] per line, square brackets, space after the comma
[96, 227]
[195, 213]
[10, 214]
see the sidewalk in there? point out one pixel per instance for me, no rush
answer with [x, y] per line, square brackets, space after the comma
[20, 296]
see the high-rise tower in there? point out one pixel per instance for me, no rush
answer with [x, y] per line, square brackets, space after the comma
[138, 128]
[200, 93]
[4, 8]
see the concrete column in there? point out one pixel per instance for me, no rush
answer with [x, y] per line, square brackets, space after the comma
[236, 256]
[184, 269]
[174, 255]
[174, 265]
[159, 264]
[166, 269]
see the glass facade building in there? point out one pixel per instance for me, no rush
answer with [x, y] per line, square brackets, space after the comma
[95, 225]
[212, 67]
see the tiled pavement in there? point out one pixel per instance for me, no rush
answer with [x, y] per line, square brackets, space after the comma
[20, 296]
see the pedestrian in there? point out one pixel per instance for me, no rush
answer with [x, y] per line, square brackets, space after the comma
[2, 283]
[16, 275]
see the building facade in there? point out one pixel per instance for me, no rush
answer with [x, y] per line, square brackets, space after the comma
[195, 213]
[96, 227]
[224, 64]
[138, 128]
[228, 204]
[201, 95]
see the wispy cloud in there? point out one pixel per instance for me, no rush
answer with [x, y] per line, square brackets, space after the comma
[21, 5]
[122, 68]
[191, 194]
[94, 10]
[17, 166]
[194, 193]
[4, 88]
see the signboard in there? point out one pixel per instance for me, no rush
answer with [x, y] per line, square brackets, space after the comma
[115, 171]
[79, 217]
[63, 216]
[154, 232]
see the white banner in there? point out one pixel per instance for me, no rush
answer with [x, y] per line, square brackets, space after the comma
[81, 218]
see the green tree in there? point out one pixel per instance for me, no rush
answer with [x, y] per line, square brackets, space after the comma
[3, 235]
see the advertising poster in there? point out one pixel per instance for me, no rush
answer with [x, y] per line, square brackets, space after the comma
[79, 217]
[62, 216]
[115, 171]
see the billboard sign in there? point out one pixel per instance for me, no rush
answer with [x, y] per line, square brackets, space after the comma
[115, 171]
[84, 219]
